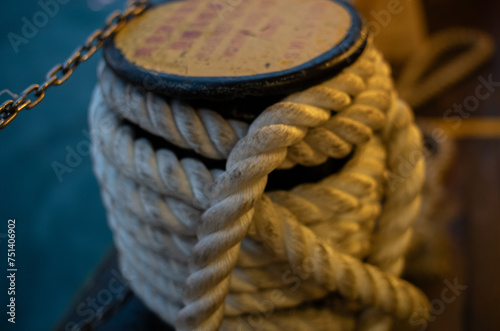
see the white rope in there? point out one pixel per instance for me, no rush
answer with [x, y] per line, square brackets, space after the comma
[232, 247]
[417, 84]
[181, 125]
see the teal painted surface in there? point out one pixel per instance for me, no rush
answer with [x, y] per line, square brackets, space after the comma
[61, 232]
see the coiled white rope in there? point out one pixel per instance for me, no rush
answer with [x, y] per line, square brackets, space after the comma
[210, 249]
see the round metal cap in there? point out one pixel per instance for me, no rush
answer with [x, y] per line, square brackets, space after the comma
[231, 49]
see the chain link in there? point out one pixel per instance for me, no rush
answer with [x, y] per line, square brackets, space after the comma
[35, 93]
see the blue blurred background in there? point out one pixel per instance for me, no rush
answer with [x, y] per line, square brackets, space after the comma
[61, 232]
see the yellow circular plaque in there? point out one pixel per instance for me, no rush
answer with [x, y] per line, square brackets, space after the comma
[250, 39]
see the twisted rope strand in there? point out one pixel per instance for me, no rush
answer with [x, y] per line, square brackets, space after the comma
[245, 246]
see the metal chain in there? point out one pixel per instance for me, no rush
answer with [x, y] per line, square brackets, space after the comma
[35, 93]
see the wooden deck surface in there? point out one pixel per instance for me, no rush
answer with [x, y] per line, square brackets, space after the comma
[473, 183]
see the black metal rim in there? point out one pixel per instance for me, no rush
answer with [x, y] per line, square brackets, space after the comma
[229, 88]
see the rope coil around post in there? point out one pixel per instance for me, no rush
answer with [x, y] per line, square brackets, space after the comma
[211, 249]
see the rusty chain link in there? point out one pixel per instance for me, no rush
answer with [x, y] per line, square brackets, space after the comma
[35, 93]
